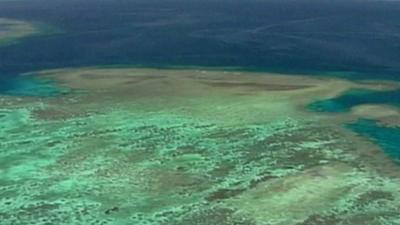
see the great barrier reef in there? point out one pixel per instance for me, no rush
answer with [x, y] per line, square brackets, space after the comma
[199, 112]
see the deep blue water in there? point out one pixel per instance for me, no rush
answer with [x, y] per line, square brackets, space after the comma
[357, 38]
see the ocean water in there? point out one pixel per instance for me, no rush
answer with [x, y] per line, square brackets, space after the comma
[305, 36]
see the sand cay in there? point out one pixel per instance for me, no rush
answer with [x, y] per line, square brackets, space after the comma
[148, 146]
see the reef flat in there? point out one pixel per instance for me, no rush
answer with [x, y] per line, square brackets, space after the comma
[148, 146]
[12, 30]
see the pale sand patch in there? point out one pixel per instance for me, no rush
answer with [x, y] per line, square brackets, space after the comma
[231, 97]
[292, 199]
[176, 81]
[385, 114]
[234, 97]
[383, 85]
[11, 30]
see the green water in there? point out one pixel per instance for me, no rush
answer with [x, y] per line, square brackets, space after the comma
[30, 86]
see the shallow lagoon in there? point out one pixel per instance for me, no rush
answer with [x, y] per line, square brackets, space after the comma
[353, 98]
[386, 137]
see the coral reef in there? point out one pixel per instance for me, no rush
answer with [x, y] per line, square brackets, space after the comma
[143, 146]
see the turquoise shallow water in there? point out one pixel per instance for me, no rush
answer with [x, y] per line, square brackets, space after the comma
[388, 138]
[352, 98]
[29, 86]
